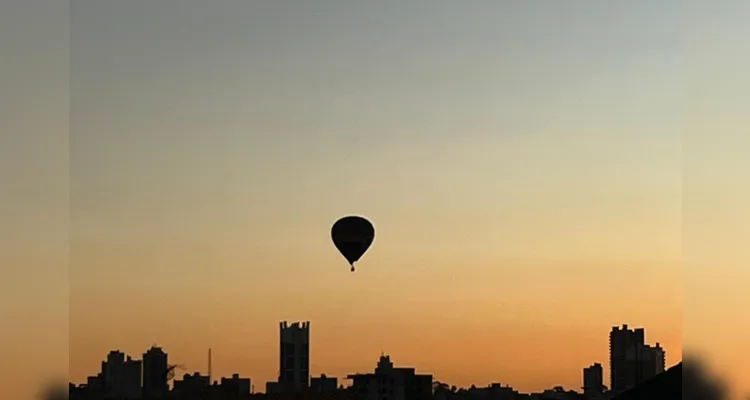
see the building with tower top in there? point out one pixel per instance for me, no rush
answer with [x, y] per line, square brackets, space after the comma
[294, 358]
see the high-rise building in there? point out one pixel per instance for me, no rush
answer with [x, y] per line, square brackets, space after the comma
[294, 356]
[132, 373]
[593, 380]
[620, 340]
[121, 377]
[632, 361]
[112, 371]
[660, 357]
[155, 373]
[644, 362]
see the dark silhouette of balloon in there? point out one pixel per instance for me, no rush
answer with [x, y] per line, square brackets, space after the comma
[352, 236]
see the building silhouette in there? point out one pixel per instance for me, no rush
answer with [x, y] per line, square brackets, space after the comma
[323, 384]
[620, 340]
[391, 383]
[294, 358]
[556, 393]
[667, 385]
[632, 361]
[191, 385]
[493, 391]
[155, 373]
[120, 376]
[636, 367]
[235, 387]
[643, 363]
[593, 381]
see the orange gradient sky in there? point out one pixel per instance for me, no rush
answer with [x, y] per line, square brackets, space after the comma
[531, 173]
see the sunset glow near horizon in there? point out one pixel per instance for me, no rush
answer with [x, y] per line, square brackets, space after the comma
[526, 168]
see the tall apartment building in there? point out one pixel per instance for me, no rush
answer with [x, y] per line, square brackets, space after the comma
[155, 367]
[632, 361]
[121, 376]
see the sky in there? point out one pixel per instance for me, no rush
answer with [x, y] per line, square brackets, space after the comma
[536, 172]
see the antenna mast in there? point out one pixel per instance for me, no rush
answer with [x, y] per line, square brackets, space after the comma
[209, 366]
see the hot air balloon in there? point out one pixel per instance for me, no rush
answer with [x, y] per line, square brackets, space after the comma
[352, 236]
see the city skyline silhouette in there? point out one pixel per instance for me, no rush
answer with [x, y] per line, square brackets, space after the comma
[119, 380]
[620, 348]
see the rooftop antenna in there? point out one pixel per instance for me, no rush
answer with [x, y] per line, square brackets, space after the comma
[209, 365]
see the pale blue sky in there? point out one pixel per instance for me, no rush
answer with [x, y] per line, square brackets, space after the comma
[235, 127]
[352, 99]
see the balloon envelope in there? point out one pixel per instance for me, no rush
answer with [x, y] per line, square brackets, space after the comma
[352, 236]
